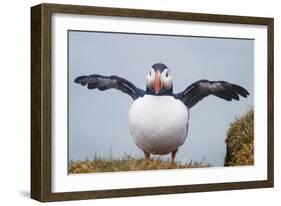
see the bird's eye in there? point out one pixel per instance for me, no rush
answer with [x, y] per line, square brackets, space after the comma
[167, 74]
[150, 73]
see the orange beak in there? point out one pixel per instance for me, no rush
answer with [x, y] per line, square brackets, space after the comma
[157, 82]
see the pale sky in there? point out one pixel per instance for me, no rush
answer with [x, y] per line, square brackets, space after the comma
[98, 121]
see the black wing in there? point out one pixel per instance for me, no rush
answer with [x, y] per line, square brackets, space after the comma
[102, 83]
[203, 88]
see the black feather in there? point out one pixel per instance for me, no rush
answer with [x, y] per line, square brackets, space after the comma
[203, 88]
[96, 81]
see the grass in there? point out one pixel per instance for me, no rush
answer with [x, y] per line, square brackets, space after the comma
[240, 141]
[128, 163]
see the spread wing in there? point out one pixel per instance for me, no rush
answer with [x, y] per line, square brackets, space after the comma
[102, 83]
[203, 88]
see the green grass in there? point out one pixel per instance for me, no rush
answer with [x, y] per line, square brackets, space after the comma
[128, 163]
[240, 141]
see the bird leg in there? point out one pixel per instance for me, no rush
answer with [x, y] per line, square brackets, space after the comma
[147, 155]
[174, 155]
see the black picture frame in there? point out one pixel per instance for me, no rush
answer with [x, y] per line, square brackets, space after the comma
[41, 116]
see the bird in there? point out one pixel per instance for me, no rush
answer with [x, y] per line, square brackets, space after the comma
[158, 117]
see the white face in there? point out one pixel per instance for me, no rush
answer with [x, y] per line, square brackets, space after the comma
[157, 81]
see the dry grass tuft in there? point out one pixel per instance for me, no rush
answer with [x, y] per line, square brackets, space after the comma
[240, 141]
[128, 163]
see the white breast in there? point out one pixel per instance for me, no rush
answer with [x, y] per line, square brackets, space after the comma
[158, 124]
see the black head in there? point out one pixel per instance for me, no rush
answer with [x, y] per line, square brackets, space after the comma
[159, 80]
[159, 67]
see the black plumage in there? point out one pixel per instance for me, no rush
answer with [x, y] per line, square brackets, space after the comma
[190, 96]
[203, 88]
[102, 83]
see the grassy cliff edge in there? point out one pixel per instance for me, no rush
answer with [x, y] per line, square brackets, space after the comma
[240, 141]
[128, 163]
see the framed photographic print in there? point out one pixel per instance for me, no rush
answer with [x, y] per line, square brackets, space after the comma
[130, 102]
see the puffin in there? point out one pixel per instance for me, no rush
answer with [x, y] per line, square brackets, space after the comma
[158, 117]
